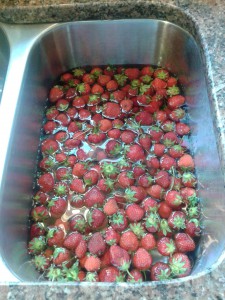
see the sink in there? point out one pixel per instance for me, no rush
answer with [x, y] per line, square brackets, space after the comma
[40, 53]
[4, 58]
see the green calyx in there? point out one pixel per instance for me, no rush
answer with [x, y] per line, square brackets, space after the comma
[71, 274]
[137, 229]
[193, 211]
[179, 222]
[164, 227]
[144, 88]
[146, 79]
[78, 72]
[57, 251]
[193, 200]
[177, 266]
[116, 150]
[130, 195]
[60, 190]
[173, 90]
[121, 79]
[54, 274]
[164, 275]
[91, 277]
[170, 247]
[118, 219]
[40, 262]
[37, 245]
[109, 169]
[188, 177]
[152, 220]
[161, 74]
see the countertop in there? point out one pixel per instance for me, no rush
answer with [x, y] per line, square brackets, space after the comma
[209, 19]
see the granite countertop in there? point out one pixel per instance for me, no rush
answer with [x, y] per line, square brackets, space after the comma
[209, 19]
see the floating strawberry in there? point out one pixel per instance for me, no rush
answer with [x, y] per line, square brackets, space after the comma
[135, 153]
[111, 110]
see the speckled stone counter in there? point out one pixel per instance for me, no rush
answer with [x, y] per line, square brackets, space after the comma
[204, 19]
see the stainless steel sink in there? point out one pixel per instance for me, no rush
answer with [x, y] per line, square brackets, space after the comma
[39, 54]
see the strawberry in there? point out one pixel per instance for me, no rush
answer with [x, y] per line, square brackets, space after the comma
[78, 102]
[51, 113]
[55, 236]
[177, 114]
[186, 162]
[112, 85]
[63, 119]
[138, 229]
[109, 169]
[149, 204]
[49, 127]
[84, 114]
[164, 229]
[129, 241]
[61, 257]
[142, 260]
[132, 73]
[119, 258]
[171, 81]
[41, 197]
[96, 137]
[71, 92]
[145, 141]
[49, 147]
[81, 249]
[88, 78]
[78, 186]
[164, 210]
[91, 277]
[41, 262]
[83, 88]
[147, 70]
[156, 133]
[105, 125]
[162, 178]
[135, 276]
[182, 129]
[103, 79]
[112, 237]
[109, 70]
[169, 139]
[134, 212]
[152, 162]
[95, 218]
[78, 223]
[39, 213]
[94, 197]
[126, 105]
[184, 243]
[175, 101]
[176, 151]
[91, 178]
[144, 118]
[92, 263]
[109, 274]
[135, 194]
[56, 93]
[192, 228]
[37, 229]
[96, 71]
[72, 240]
[76, 201]
[111, 110]
[166, 246]
[160, 116]
[97, 89]
[173, 199]
[110, 207]
[135, 153]
[96, 244]
[180, 265]
[80, 168]
[62, 104]
[148, 242]
[188, 193]
[114, 133]
[145, 180]
[126, 179]
[159, 149]
[152, 222]
[127, 136]
[37, 245]
[113, 148]
[161, 73]
[61, 188]
[119, 221]
[160, 271]
[189, 179]
[158, 84]
[105, 259]
[57, 207]
[155, 191]
[177, 220]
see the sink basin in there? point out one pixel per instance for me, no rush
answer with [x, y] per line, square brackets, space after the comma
[49, 50]
[4, 58]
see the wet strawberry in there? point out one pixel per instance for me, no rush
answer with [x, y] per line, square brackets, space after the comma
[148, 242]
[72, 240]
[135, 194]
[189, 179]
[81, 249]
[109, 274]
[78, 223]
[142, 260]
[132, 73]
[149, 204]
[78, 186]
[92, 263]
[51, 113]
[135, 153]
[96, 218]
[156, 191]
[110, 207]
[164, 210]
[111, 110]
[94, 197]
[112, 237]
[57, 207]
[37, 229]
[113, 148]
[177, 114]
[177, 220]
[192, 228]
[180, 265]
[156, 133]
[184, 243]
[166, 246]
[80, 169]
[96, 244]
[126, 105]
[49, 147]
[134, 212]
[152, 222]
[127, 136]
[186, 162]
[144, 118]
[160, 271]
[49, 127]
[41, 262]
[173, 199]
[37, 245]
[62, 257]
[135, 276]
[119, 258]
[119, 221]
[56, 93]
[39, 213]
[176, 101]
[55, 236]
[112, 85]
[126, 179]
[145, 180]
[41, 197]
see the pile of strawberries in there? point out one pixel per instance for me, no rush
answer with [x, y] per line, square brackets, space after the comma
[116, 195]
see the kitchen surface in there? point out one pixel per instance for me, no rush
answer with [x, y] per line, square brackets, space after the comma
[205, 20]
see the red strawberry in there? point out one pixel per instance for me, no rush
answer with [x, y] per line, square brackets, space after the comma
[134, 212]
[192, 228]
[75, 200]
[61, 257]
[111, 110]
[167, 162]
[135, 276]
[49, 146]
[114, 133]
[41, 197]
[143, 100]
[148, 242]
[135, 194]
[173, 199]
[176, 151]
[169, 139]
[81, 249]
[150, 204]
[111, 236]
[49, 127]
[119, 258]
[156, 191]
[51, 113]
[156, 133]
[166, 246]
[83, 88]
[95, 218]
[132, 73]
[105, 125]
[162, 178]
[176, 101]
[72, 240]
[113, 148]
[145, 180]
[177, 114]
[61, 188]
[142, 260]
[152, 222]
[112, 85]
[37, 245]
[96, 137]
[37, 229]
[180, 265]
[88, 78]
[57, 207]
[94, 196]
[96, 244]
[55, 236]
[126, 105]
[97, 89]
[182, 129]
[160, 116]
[110, 169]
[56, 93]
[119, 221]
[63, 119]
[160, 271]
[184, 242]
[188, 193]
[135, 153]
[92, 263]
[126, 179]
[186, 162]
[110, 207]
[109, 274]
[62, 104]
[78, 223]
[145, 141]
[147, 70]
[161, 73]
[189, 179]
[177, 220]
[77, 185]
[104, 79]
[78, 102]
[158, 84]
[152, 162]
[129, 241]
[39, 213]
[96, 71]
[164, 210]
[127, 136]
[91, 178]
[80, 169]
[144, 118]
